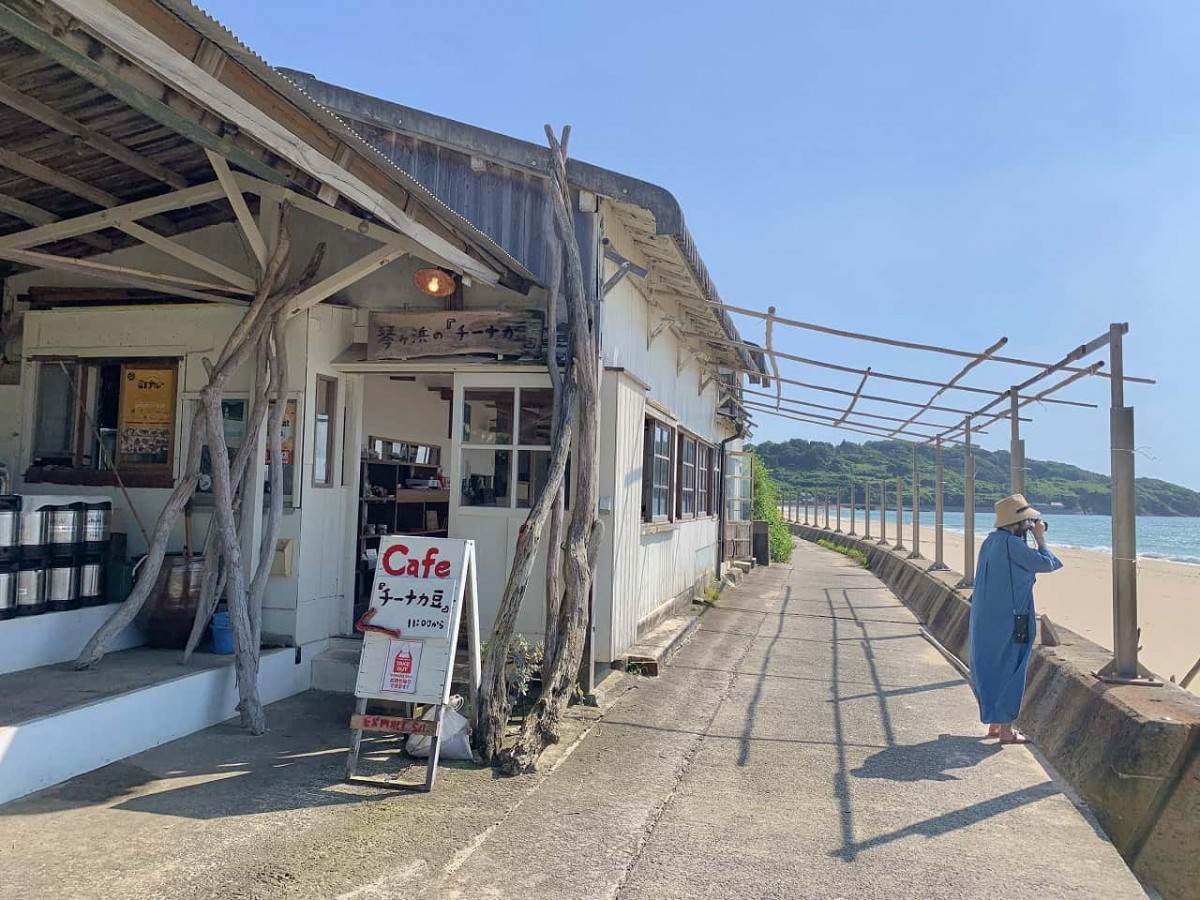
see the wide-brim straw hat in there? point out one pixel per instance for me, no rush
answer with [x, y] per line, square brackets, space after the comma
[1014, 509]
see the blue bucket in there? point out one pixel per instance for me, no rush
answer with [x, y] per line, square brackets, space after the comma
[222, 634]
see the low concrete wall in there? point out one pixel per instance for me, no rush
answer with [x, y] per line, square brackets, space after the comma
[1132, 753]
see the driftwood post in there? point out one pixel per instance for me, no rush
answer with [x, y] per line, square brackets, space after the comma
[259, 332]
[561, 672]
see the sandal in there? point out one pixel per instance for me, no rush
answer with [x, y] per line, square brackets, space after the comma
[1017, 738]
[993, 731]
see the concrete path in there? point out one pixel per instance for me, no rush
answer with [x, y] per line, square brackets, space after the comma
[806, 742]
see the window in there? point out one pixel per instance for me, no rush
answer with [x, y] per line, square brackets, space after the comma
[714, 493]
[96, 415]
[687, 477]
[323, 431]
[506, 446]
[657, 467]
[703, 474]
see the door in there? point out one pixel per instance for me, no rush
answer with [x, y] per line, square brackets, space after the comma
[500, 435]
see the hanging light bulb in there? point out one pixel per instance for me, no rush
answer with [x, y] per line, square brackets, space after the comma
[434, 282]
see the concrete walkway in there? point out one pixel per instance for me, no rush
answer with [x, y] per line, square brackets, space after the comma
[806, 742]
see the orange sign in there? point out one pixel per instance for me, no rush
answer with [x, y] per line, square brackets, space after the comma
[147, 413]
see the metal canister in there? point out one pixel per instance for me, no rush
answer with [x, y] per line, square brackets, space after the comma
[62, 585]
[91, 581]
[33, 534]
[31, 588]
[8, 591]
[10, 527]
[97, 526]
[64, 528]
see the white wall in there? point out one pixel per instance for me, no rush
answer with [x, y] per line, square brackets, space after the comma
[407, 410]
[647, 566]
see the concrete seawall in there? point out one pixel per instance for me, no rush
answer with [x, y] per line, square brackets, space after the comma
[1132, 753]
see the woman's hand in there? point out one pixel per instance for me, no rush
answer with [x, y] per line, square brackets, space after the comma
[1039, 533]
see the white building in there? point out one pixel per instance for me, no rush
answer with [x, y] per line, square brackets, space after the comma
[383, 438]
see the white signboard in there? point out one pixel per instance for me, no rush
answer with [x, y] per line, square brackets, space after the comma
[411, 627]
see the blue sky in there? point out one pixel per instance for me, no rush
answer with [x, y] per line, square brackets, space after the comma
[938, 171]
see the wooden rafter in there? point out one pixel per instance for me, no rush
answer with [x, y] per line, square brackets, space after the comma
[35, 215]
[188, 256]
[343, 278]
[254, 238]
[110, 218]
[857, 394]
[962, 373]
[67, 183]
[50, 261]
[182, 74]
[47, 115]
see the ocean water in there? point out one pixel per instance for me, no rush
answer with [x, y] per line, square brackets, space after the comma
[1158, 537]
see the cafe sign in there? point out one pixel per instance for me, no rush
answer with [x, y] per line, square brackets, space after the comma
[488, 332]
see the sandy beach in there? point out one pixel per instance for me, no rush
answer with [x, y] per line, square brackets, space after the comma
[1079, 596]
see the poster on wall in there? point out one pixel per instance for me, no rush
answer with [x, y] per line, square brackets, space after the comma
[288, 451]
[146, 417]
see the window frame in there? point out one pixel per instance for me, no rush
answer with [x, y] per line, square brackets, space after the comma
[650, 455]
[514, 446]
[332, 386]
[704, 452]
[685, 493]
[84, 383]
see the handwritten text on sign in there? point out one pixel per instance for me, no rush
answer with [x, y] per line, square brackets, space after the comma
[414, 592]
[406, 335]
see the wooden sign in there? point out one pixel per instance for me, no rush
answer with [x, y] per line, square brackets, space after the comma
[422, 587]
[492, 332]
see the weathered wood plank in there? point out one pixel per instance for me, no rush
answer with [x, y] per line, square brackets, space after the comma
[409, 335]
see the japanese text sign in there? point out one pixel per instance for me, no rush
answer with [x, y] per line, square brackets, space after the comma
[407, 335]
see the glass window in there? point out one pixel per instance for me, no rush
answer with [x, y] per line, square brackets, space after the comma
[537, 405]
[485, 477]
[703, 460]
[92, 415]
[323, 436]
[487, 416]
[657, 465]
[533, 468]
[687, 476]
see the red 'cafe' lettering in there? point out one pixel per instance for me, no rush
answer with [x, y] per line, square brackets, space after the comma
[415, 568]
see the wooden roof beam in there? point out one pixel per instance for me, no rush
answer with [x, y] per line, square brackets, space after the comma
[893, 342]
[35, 215]
[254, 238]
[47, 115]
[986, 354]
[834, 409]
[112, 218]
[828, 422]
[854, 400]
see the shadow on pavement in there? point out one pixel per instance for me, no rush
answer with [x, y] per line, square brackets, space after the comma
[928, 761]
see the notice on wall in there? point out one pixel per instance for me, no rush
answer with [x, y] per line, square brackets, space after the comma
[146, 413]
[493, 332]
[422, 586]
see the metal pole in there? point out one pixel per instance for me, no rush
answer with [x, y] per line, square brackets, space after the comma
[867, 510]
[804, 501]
[916, 507]
[939, 562]
[827, 510]
[883, 541]
[968, 579]
[1124, 666]
[1016, 445]
[853, 531]
[838, 529]
[900, 516]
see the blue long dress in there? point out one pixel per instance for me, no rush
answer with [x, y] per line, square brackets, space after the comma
[1004, 580]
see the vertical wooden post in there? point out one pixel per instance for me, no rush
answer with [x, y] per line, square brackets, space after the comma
[968, 579]
[916, 506]
[867, 510]
[899, 546]
[939, 563]
[883, 541]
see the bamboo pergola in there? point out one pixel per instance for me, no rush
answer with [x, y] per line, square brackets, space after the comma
[934, 423]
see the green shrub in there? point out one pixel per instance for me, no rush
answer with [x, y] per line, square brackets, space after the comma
[766, 507]
[852, 552]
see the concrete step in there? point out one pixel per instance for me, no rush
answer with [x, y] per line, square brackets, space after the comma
[336, 670]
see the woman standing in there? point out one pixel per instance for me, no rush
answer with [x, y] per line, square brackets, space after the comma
[1003, 621]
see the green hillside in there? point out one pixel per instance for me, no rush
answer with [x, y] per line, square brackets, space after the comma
[798, 464]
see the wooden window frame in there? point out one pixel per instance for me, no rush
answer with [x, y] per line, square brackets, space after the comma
[331, 468]
[684, 492]
[704, 452]
[143, 475]
[649, 458]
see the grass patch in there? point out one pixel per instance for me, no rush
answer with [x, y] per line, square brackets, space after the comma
[851, 552]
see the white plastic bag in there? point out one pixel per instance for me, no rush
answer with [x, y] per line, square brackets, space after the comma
[455, 736]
